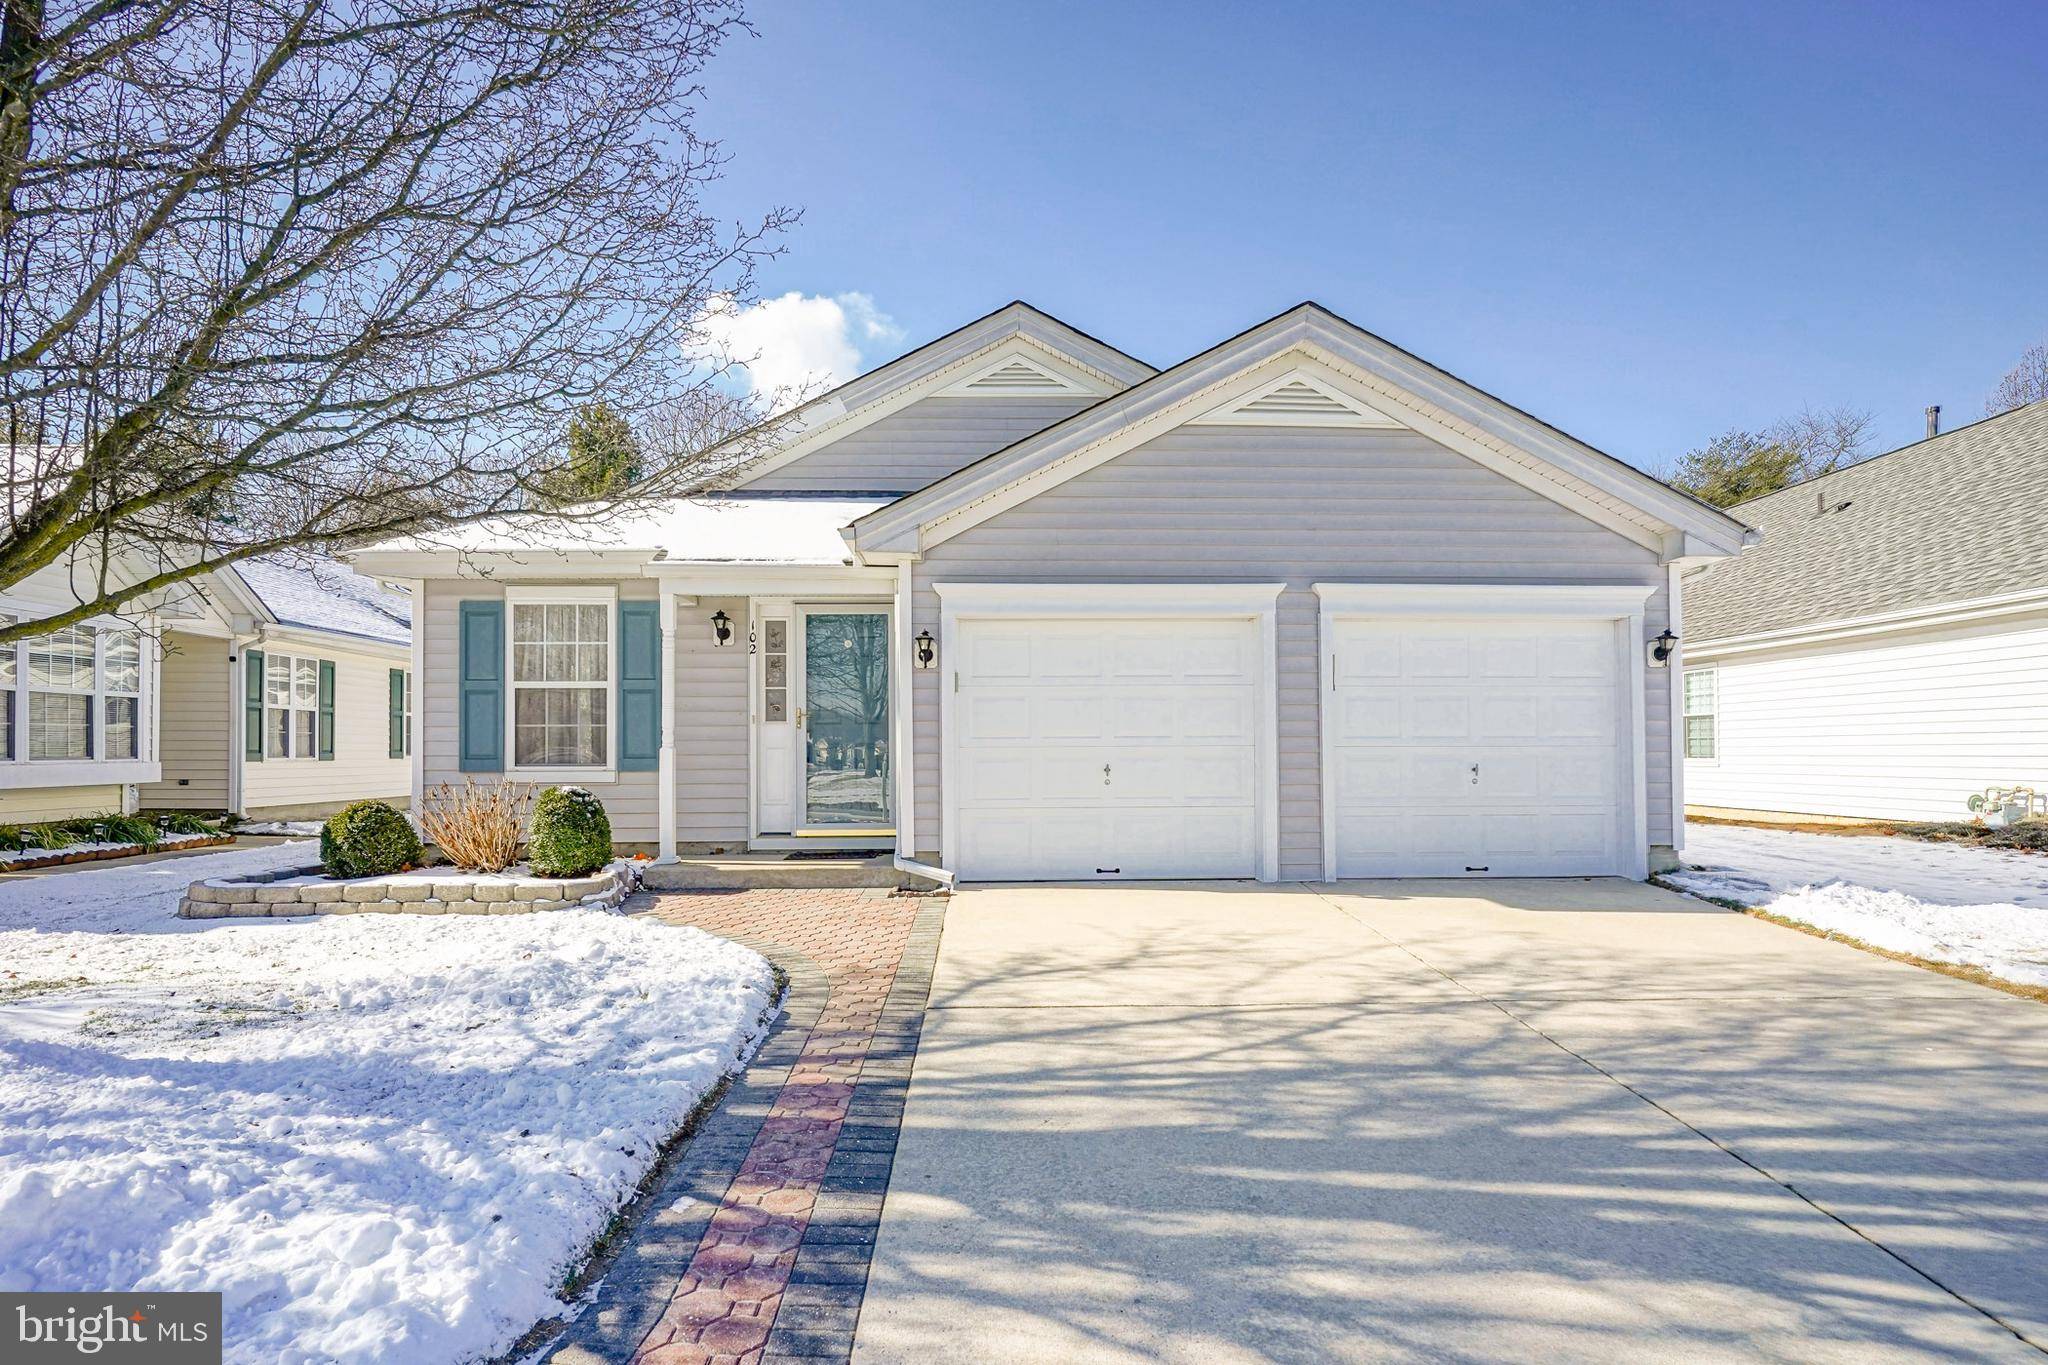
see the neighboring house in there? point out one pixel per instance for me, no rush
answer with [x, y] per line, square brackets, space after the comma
[288, 696]
[1017, 604]
[1882, 653]
[151, 709]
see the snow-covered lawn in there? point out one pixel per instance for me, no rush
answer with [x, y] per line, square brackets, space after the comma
[1980, 907]
[382, 1137]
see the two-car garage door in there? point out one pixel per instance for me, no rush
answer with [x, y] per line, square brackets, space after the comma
[1131, 748]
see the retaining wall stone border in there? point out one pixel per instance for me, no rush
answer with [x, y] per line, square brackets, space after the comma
[440, 893]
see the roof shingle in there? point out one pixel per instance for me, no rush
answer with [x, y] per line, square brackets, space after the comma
[1958, 516]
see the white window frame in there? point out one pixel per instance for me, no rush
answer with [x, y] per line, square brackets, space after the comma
[406, 711]
[1686, 715]
[103, 692]
[291, 707]
[607, 596]
[96, 767]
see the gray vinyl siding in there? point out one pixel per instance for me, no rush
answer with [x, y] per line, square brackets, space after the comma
[921, 444]
[1300, 506]
[711, 725]
[193, 734]
[711, 718]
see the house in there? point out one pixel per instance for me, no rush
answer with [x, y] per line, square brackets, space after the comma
[1018, 605]
[1881, 654]
[160, 708]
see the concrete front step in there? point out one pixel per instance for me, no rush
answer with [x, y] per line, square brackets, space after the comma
[778, 871]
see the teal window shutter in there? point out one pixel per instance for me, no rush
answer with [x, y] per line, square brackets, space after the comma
[394, 718]
[639, 686]
[327, 708]
[481, 707]
[252, 705]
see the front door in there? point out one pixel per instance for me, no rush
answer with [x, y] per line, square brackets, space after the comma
[843, 720]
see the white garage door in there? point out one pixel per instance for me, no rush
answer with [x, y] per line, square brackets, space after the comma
[1105, 748]
[1477, 747]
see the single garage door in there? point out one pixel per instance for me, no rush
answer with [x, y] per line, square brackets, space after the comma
[1477, 747]
[1105, 748]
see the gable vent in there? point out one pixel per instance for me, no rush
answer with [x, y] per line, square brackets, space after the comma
[1297, 400]
[1017, 376]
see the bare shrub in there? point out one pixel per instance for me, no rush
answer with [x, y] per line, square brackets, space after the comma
[477, 827]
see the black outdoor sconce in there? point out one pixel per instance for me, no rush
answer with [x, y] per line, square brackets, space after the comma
[721, 629]
[927, 649]
[1662, 648]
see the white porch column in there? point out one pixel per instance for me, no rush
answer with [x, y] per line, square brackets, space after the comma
[666, 771]
[904, 671]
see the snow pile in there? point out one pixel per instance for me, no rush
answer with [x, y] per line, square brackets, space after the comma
[1979, 907]
[281, 827]
[381, 1137]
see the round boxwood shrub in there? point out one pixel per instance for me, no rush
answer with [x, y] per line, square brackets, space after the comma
[571, 833]
[368, 839]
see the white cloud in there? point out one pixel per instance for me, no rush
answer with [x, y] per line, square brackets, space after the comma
[799, 344]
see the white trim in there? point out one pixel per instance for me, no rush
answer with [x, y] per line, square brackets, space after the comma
[1622, 603]
[665, 765]
[579, 594]
[416, 590]
[1904, 619]
[1238, 411]
[330, 642]
[1583, 600]
[780, 580]
[238, 722]
[1674, 619]
[1136, 600]
[1257, 602]
[77, 772]
[902, 703]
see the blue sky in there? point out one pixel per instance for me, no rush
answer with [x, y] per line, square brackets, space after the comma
[1644, 223]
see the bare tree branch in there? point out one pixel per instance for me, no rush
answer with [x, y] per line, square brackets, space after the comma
[283, 273]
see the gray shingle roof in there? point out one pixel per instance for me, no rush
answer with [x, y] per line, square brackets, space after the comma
[1958, 516]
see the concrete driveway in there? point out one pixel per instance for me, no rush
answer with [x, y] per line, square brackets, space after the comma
[1518, 1120]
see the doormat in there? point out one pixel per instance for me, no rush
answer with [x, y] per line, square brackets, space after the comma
[817, 855]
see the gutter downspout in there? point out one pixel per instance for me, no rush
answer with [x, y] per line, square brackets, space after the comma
[917, 869]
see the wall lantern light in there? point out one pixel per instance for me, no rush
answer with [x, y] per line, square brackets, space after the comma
[926, 649]
[721, 629]
[1662, 648]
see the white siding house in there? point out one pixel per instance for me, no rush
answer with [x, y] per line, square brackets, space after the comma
[1881, 654]
[1019, 606]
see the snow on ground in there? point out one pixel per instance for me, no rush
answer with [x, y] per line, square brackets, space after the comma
[1981, 907]
[382, 1137]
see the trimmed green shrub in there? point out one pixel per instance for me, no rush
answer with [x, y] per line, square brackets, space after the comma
[368, 839]
[571, 833]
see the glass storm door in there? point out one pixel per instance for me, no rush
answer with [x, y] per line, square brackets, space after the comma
[845, 724]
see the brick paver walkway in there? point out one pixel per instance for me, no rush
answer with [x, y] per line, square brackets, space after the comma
[755, 1248]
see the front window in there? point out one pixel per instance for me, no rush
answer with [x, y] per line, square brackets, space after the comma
[561, 684]
[60, 694]
[1702, 713]
[121, 699]
[291, 707]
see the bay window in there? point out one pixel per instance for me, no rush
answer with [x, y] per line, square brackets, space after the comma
[291, 706]
[561, 682]
[74, 695]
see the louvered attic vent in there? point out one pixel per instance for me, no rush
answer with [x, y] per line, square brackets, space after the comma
[1297, 399]
[1018, 376]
